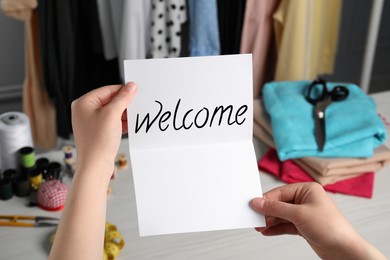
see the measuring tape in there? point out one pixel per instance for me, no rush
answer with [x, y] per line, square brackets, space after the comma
[113, 242]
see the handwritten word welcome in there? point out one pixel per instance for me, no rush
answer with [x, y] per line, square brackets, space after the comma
[202, 118]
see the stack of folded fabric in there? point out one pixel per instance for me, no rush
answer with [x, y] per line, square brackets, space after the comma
[354, 135]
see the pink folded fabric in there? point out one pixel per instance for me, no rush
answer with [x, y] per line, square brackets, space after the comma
[289, 172]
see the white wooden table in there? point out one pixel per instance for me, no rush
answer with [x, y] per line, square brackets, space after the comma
[371, 217]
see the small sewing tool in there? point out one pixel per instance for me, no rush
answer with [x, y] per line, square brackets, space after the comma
[122, 162]
[69, 160]
[321, 100]
[28, 221]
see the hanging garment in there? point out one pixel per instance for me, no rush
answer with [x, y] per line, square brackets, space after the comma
[134, 39]
[289, 172]
[306, 38]
[204, 35]
[230, 21]
[92, 69]
[107, 28]
[58, 53]
[185, 50]
[257, 38]
[167, 17]
[72, 54]
[36, 103]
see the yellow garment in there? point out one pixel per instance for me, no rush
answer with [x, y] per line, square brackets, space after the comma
[36, 103]
[306, 33]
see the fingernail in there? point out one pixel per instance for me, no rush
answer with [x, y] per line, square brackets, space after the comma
[130, 87]
[260, 229]
[258, 203]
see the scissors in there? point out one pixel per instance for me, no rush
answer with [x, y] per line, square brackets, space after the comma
[28, 221]
[321, 98]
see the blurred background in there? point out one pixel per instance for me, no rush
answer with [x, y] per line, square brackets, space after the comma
[354, 22]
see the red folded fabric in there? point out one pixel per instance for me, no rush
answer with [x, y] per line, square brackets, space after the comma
[290, 172]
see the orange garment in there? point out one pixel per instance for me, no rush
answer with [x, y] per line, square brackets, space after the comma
[256, 38]
[36, 103]
[306, 33]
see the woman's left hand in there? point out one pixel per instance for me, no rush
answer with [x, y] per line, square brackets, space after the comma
[99, 118]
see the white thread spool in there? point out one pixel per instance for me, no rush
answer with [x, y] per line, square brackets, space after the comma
[15, 133]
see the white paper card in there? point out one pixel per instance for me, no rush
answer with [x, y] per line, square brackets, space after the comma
[190, 138]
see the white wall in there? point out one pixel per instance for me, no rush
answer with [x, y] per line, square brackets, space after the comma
[11, 51]
[11, 62]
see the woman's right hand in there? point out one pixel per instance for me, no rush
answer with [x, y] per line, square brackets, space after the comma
[305, 209]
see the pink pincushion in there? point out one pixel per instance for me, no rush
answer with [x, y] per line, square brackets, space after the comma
[52, 195]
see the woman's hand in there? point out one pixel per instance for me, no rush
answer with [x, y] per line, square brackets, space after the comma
[305, 209]
[99, 119]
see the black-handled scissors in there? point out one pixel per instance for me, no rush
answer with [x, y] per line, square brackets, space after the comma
[321, 98]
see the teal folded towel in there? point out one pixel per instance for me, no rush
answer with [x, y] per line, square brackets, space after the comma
[353, 127]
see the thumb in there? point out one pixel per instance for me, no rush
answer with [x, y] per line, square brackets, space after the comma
[123, 97]
[275, 208]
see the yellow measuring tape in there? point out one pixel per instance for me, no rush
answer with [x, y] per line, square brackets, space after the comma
[113, 242]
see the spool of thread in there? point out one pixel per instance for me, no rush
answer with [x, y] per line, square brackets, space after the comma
[21, 186]
[10, 174]
[69, 160]
[6, 189]
[27, 157]
[42, 165]
[15, 133]
[54, 170]
[122, 162]
[68, 151]
[35, 177]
